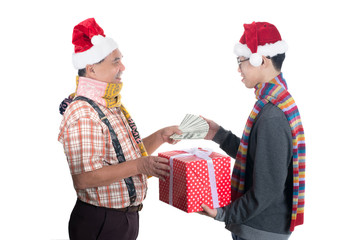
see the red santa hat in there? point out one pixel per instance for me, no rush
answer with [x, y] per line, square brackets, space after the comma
[91, 44]
[260, 39]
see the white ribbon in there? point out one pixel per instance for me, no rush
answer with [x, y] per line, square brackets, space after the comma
[203, 155]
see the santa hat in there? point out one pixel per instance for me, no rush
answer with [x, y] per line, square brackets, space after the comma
[91, 45]
[260, 39]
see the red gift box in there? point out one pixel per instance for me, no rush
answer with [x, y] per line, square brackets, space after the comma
[196, 177]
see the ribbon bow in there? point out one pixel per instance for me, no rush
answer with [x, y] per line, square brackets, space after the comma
[203, 154]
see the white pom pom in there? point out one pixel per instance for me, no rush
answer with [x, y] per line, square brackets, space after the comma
[255, 59]
[97, 39]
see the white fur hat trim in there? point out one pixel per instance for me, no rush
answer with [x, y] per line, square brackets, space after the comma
[269, 49]
[102, 47]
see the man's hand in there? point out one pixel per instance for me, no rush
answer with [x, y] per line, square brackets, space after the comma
[213, 128]
[165, 134]
[159, 137]
[208, 211]
[153, 166]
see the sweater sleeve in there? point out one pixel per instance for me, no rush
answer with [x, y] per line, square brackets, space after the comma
[228, 141]
[271, 161]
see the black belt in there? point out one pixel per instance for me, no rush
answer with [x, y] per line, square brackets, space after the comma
[125, 210]
[130, 208]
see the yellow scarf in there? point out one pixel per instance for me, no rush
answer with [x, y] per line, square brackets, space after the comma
[107, 94]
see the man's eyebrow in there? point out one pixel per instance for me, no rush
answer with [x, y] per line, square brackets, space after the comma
[118, 58]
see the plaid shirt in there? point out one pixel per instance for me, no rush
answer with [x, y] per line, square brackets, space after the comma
[88, 146]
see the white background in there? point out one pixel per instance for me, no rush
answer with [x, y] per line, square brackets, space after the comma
[178, 57]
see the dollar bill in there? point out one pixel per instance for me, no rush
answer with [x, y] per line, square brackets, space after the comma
[192, 127]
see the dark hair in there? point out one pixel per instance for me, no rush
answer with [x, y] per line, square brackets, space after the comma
[82, 72]
[277, 61]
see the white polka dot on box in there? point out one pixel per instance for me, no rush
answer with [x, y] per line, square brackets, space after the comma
[196, 179]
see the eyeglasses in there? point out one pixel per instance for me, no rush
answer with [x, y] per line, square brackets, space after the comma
[241, 61]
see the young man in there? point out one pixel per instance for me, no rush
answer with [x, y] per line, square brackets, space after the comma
[268, 179]
[108, 160]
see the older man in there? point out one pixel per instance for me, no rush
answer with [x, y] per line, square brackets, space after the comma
[108, 160]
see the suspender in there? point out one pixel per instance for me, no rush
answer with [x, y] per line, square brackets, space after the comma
[116, 144]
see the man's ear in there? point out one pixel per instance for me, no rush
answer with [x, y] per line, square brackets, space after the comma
[265, 61]
[90, 70]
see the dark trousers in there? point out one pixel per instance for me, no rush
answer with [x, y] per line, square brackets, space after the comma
[89, 222]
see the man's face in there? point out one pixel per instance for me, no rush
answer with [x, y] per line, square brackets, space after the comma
[250, 75]
[109, 70]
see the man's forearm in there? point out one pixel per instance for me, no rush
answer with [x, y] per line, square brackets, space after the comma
[153, 142]
[228, 141]
[105, 175]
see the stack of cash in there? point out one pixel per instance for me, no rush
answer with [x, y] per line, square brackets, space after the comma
[192, 127]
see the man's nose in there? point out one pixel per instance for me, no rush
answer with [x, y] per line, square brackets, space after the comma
[122, 67]
[239, 69]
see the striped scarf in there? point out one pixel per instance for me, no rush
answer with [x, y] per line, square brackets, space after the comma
[275, 91]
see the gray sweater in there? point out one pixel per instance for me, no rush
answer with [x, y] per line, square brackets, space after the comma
[264, 211]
